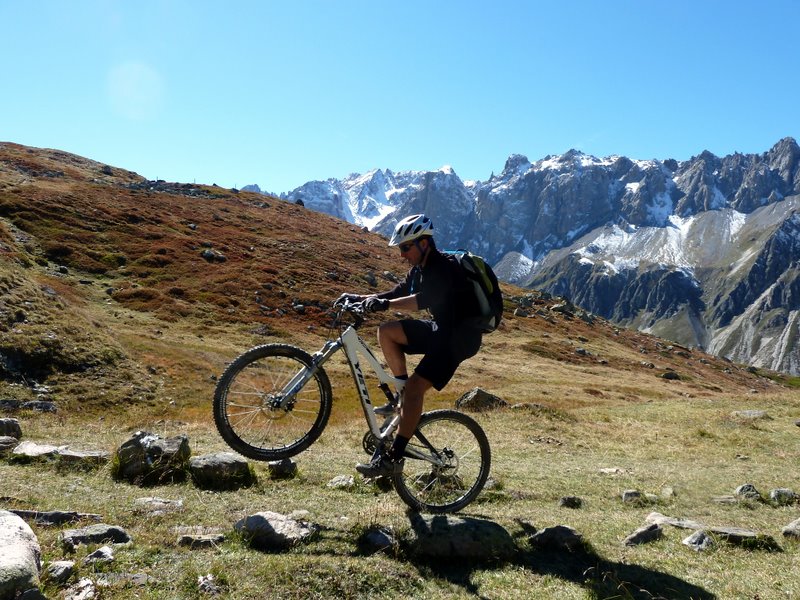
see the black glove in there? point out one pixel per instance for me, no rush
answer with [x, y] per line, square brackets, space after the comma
[348, 299]
[373, 304]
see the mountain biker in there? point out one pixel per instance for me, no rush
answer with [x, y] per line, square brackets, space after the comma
[437, 284]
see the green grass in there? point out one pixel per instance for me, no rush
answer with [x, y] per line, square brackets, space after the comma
[538, 458]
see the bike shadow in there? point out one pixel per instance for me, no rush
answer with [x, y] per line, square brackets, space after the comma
[580, 565]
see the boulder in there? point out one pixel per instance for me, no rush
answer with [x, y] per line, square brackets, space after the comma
[644, 535]
[94, 534]
[282, 469]
[559, 537]
[148, 459]
[478, 400]
[272, 531]
[450, 538]
[11, 428]
[20, 556]
[792, 530]
[27, 452]
[7, 444]
[221, 471]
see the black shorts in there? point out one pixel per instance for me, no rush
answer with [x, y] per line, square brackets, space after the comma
[443, 350]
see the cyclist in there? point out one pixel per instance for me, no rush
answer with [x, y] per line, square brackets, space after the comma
[437, 284]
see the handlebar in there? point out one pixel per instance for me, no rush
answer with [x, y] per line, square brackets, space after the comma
[355, 309]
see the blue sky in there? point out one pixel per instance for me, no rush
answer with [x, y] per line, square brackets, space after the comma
[280, 93]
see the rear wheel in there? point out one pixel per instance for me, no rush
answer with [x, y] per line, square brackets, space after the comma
[247, 403]
[446, 463]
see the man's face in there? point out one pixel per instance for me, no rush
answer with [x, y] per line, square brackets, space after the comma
[414, 251]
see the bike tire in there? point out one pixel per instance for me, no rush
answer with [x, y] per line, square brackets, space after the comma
[242, 411]
[463, 445]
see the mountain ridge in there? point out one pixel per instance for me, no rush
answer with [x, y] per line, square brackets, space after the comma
[662, 227]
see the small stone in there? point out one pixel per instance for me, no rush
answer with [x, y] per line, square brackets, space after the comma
[632, 497]
[792, 530]
[10, 428]
[644, 535]
[570, 502]
[748, 491]
[699, 541]
[783, 496]
[211, 540]
[60, 571]
[342, 482]
[104, 554]
[282, 469]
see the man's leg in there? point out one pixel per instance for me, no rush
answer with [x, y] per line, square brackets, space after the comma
[392, 340]
[411, 410]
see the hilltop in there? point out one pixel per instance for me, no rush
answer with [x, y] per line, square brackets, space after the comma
[105, 273]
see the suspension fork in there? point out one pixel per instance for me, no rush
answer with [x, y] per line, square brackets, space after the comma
[303, 376]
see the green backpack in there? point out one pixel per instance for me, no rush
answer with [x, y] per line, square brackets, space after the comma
[484, 282]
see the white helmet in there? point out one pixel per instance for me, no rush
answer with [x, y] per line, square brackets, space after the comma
[411, 228]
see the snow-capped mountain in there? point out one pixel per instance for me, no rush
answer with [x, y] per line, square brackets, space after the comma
[705, 252]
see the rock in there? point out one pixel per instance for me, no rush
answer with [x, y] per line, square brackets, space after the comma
[93, 534]
[10, 428]
[195, 541]
[7, 444]
[342, 482]
[157, 506]
[521, 312]
[60, 571]
[570, 502]
[559, 537]
[377, 539]
[40, 406]
[478, 400]
[212, 255]
[104, 554]
[747, 491]
[783, 496]
[84, 459]
[733, 535]
[633, 497]
[20, 556]
[450, 538]
[148, 459]
[644, 535]
[54, 517]
[83, 590]
[207, 584]
[699, 541]
[27, 452]
[670, 375]
[792, 530]
[751, 415]
[272, 531]
[221, 471]
[282, 469]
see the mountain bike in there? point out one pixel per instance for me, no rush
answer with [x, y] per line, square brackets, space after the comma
[274, 400]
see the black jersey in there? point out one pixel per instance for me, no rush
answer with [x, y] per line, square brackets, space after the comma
[442, 288]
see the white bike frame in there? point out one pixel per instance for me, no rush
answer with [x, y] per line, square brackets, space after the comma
[350, 342]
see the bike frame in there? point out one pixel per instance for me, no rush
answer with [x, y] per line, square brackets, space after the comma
[351, 343]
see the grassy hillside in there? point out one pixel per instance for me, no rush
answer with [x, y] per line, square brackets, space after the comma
[125, 298]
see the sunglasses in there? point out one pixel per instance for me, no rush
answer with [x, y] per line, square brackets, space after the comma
[405, 247]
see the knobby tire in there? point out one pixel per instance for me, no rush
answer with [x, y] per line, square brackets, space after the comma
[462, 445]
[250, 424]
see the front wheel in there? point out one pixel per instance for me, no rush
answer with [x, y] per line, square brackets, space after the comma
[446, 463]
[251, 410]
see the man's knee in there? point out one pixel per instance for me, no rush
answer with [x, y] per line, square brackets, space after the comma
[391, 333]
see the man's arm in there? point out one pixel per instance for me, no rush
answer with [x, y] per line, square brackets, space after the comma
[405, 303]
